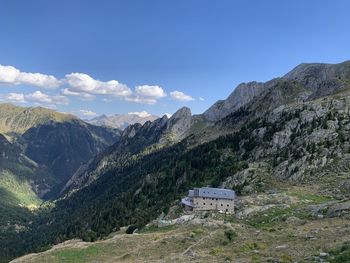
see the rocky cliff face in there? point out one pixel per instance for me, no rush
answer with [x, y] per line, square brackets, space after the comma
[179, 123]
[308, 81]
[243, 94]
[301, 142]
[321, 79]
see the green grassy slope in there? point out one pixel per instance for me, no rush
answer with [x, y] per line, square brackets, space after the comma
[281, 229]
[21, 192]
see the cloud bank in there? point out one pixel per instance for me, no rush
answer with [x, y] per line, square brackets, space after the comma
[37, 97]
[11, 76]
[79, 85]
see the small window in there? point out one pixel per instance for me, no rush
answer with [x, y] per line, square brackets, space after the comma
[226, 210]
[203, 203]
[203, 198]
[228, 205]
[211, 203]
[222, 205]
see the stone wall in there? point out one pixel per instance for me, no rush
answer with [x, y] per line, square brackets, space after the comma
[206, 203]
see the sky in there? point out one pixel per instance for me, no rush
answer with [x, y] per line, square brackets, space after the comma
[93, 57]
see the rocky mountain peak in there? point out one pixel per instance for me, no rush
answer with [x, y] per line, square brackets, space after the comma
[181, 113]
[242, 95]
[180, 122]
[320, 71]
[316, 70]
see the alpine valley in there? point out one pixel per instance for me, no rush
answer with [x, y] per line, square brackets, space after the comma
[71, 191]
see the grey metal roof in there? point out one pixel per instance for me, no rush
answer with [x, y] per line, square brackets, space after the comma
[214, 193]
[187, 201]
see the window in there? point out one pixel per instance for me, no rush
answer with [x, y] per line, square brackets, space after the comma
[203, 203]
[228, 205]
[222, 205]
[211, 203]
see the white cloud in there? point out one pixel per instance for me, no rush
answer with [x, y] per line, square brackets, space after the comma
[83, 83]
[168, 114]
[142, 100]
[141, 114]
[147, 91]
[82, 95]
[41, 98]
[11, 76]
[15, 97]
[87, 113]
[80, 85]
[146, 94]
[201, 99]
[180, 96]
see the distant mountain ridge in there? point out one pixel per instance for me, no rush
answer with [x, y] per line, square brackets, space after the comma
[295, 128]
[121, 121]
[58, 143]
[17, 120]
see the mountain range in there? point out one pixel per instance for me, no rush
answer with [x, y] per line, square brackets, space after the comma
[121, 121]
[289, 131]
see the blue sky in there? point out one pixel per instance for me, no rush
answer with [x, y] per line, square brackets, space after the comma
[133, 55]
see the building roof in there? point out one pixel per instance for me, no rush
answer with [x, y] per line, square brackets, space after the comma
[214, 193]
[187, 201]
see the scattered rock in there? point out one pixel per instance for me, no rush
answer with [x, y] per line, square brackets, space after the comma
[190, 253]
[339, 209]
[323, 254]
[281, 247]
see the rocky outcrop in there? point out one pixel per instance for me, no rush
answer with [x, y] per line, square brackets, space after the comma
[242, 95]
[321, 79]
[179, 123]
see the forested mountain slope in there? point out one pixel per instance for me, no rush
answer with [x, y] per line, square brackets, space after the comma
[41, 151]
[296, 129]
[59, 142]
